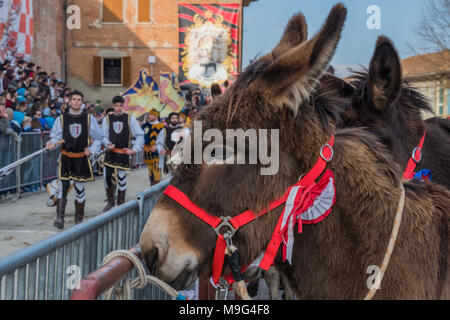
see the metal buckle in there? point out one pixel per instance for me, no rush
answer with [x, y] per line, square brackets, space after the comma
[228, 240]
[413, 156]
[332, 153]
[222, 286]
[225, 223]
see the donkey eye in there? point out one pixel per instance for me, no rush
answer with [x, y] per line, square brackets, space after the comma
[219, 155]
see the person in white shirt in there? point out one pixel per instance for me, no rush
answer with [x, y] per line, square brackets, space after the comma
[119, 128]
[76, 128]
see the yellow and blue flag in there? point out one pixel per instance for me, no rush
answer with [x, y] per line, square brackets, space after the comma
[143, 96]
[170, 94]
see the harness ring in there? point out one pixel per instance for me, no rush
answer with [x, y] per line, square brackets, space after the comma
[413, 156]
[332, 153]
[225, 223]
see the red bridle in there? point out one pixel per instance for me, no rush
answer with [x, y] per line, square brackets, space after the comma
[234, 223]
[414, 160]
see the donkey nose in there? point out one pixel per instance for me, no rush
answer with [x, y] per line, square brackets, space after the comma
[151, 258]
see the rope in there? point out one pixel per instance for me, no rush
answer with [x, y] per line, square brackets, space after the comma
[391, 245]
[123, 292]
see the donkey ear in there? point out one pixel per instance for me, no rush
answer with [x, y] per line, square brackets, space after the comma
[295, 34]
[385, 74]
[290, 78]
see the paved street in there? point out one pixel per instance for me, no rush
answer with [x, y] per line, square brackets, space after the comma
[29, 220]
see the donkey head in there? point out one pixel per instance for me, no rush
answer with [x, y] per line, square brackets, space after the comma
[385, 104]
[273, 93]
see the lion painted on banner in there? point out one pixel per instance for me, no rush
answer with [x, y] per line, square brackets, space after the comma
[207, 57]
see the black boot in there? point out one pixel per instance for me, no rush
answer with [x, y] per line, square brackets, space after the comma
[60, 213]
[79, 212]
[121, 197]
[110, 198]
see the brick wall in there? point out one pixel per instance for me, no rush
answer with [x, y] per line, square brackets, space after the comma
[159, 38]
[48, 35]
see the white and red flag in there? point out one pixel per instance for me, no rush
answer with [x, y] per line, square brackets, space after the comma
[16, 40]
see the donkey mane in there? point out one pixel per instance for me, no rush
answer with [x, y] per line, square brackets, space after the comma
[327, 99]
[411, 102]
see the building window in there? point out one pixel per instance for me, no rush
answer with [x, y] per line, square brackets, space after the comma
[448, 102]
[441, 101]
[144, 11]
[112, 71]
[112, 11]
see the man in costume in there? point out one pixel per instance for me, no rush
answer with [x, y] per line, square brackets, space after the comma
[154, 150]
[119, 128]
[76, 128]
[172, 132]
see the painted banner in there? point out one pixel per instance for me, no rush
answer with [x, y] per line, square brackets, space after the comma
[143, 96]
[170, 95]
[16, 24]
[209, 43]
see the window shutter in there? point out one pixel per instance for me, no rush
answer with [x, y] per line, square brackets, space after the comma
[144, 11]
[97, 78]
[113, 11]
[126, 71]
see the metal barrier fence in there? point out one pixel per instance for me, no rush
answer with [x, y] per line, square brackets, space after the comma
[38, 171]
[50, 270]
[34, 173]
[8, 154]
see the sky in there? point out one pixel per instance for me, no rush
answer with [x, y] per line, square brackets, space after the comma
[265, 21]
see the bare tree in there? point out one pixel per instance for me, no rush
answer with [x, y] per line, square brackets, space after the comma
[434, 28]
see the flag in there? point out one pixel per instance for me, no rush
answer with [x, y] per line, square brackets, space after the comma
[171, 97]
[4, 13]
[209, 43]
[142, 96]
[18, 30]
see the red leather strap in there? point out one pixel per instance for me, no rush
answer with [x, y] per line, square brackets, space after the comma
[414, 160]
[184, 201]
[219, 258]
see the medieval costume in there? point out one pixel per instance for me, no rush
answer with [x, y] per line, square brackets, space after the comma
[154, 138]
[76, 130]
[172, 134]
[119, 131]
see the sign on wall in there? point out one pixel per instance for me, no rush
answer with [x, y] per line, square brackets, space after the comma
[209, 43]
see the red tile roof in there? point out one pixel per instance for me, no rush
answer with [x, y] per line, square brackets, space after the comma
[426, 64]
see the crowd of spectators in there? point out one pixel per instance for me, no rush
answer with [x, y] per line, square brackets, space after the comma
[30, 98]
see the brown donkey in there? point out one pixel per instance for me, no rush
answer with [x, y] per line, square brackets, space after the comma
[330, 259]
[392, 110]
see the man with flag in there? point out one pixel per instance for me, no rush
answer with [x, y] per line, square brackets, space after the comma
[76, 128]
[119, 128]
[154, 150]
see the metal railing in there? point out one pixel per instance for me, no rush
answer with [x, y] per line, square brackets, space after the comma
[34, 173]
[8, 154]
[38, 171]
[50, 270]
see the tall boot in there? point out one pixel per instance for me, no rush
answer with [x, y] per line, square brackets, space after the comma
[79, 212]
[60, 213]
[121, 197]
[110, 197]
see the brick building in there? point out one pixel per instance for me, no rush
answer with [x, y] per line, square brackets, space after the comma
[118, 38]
